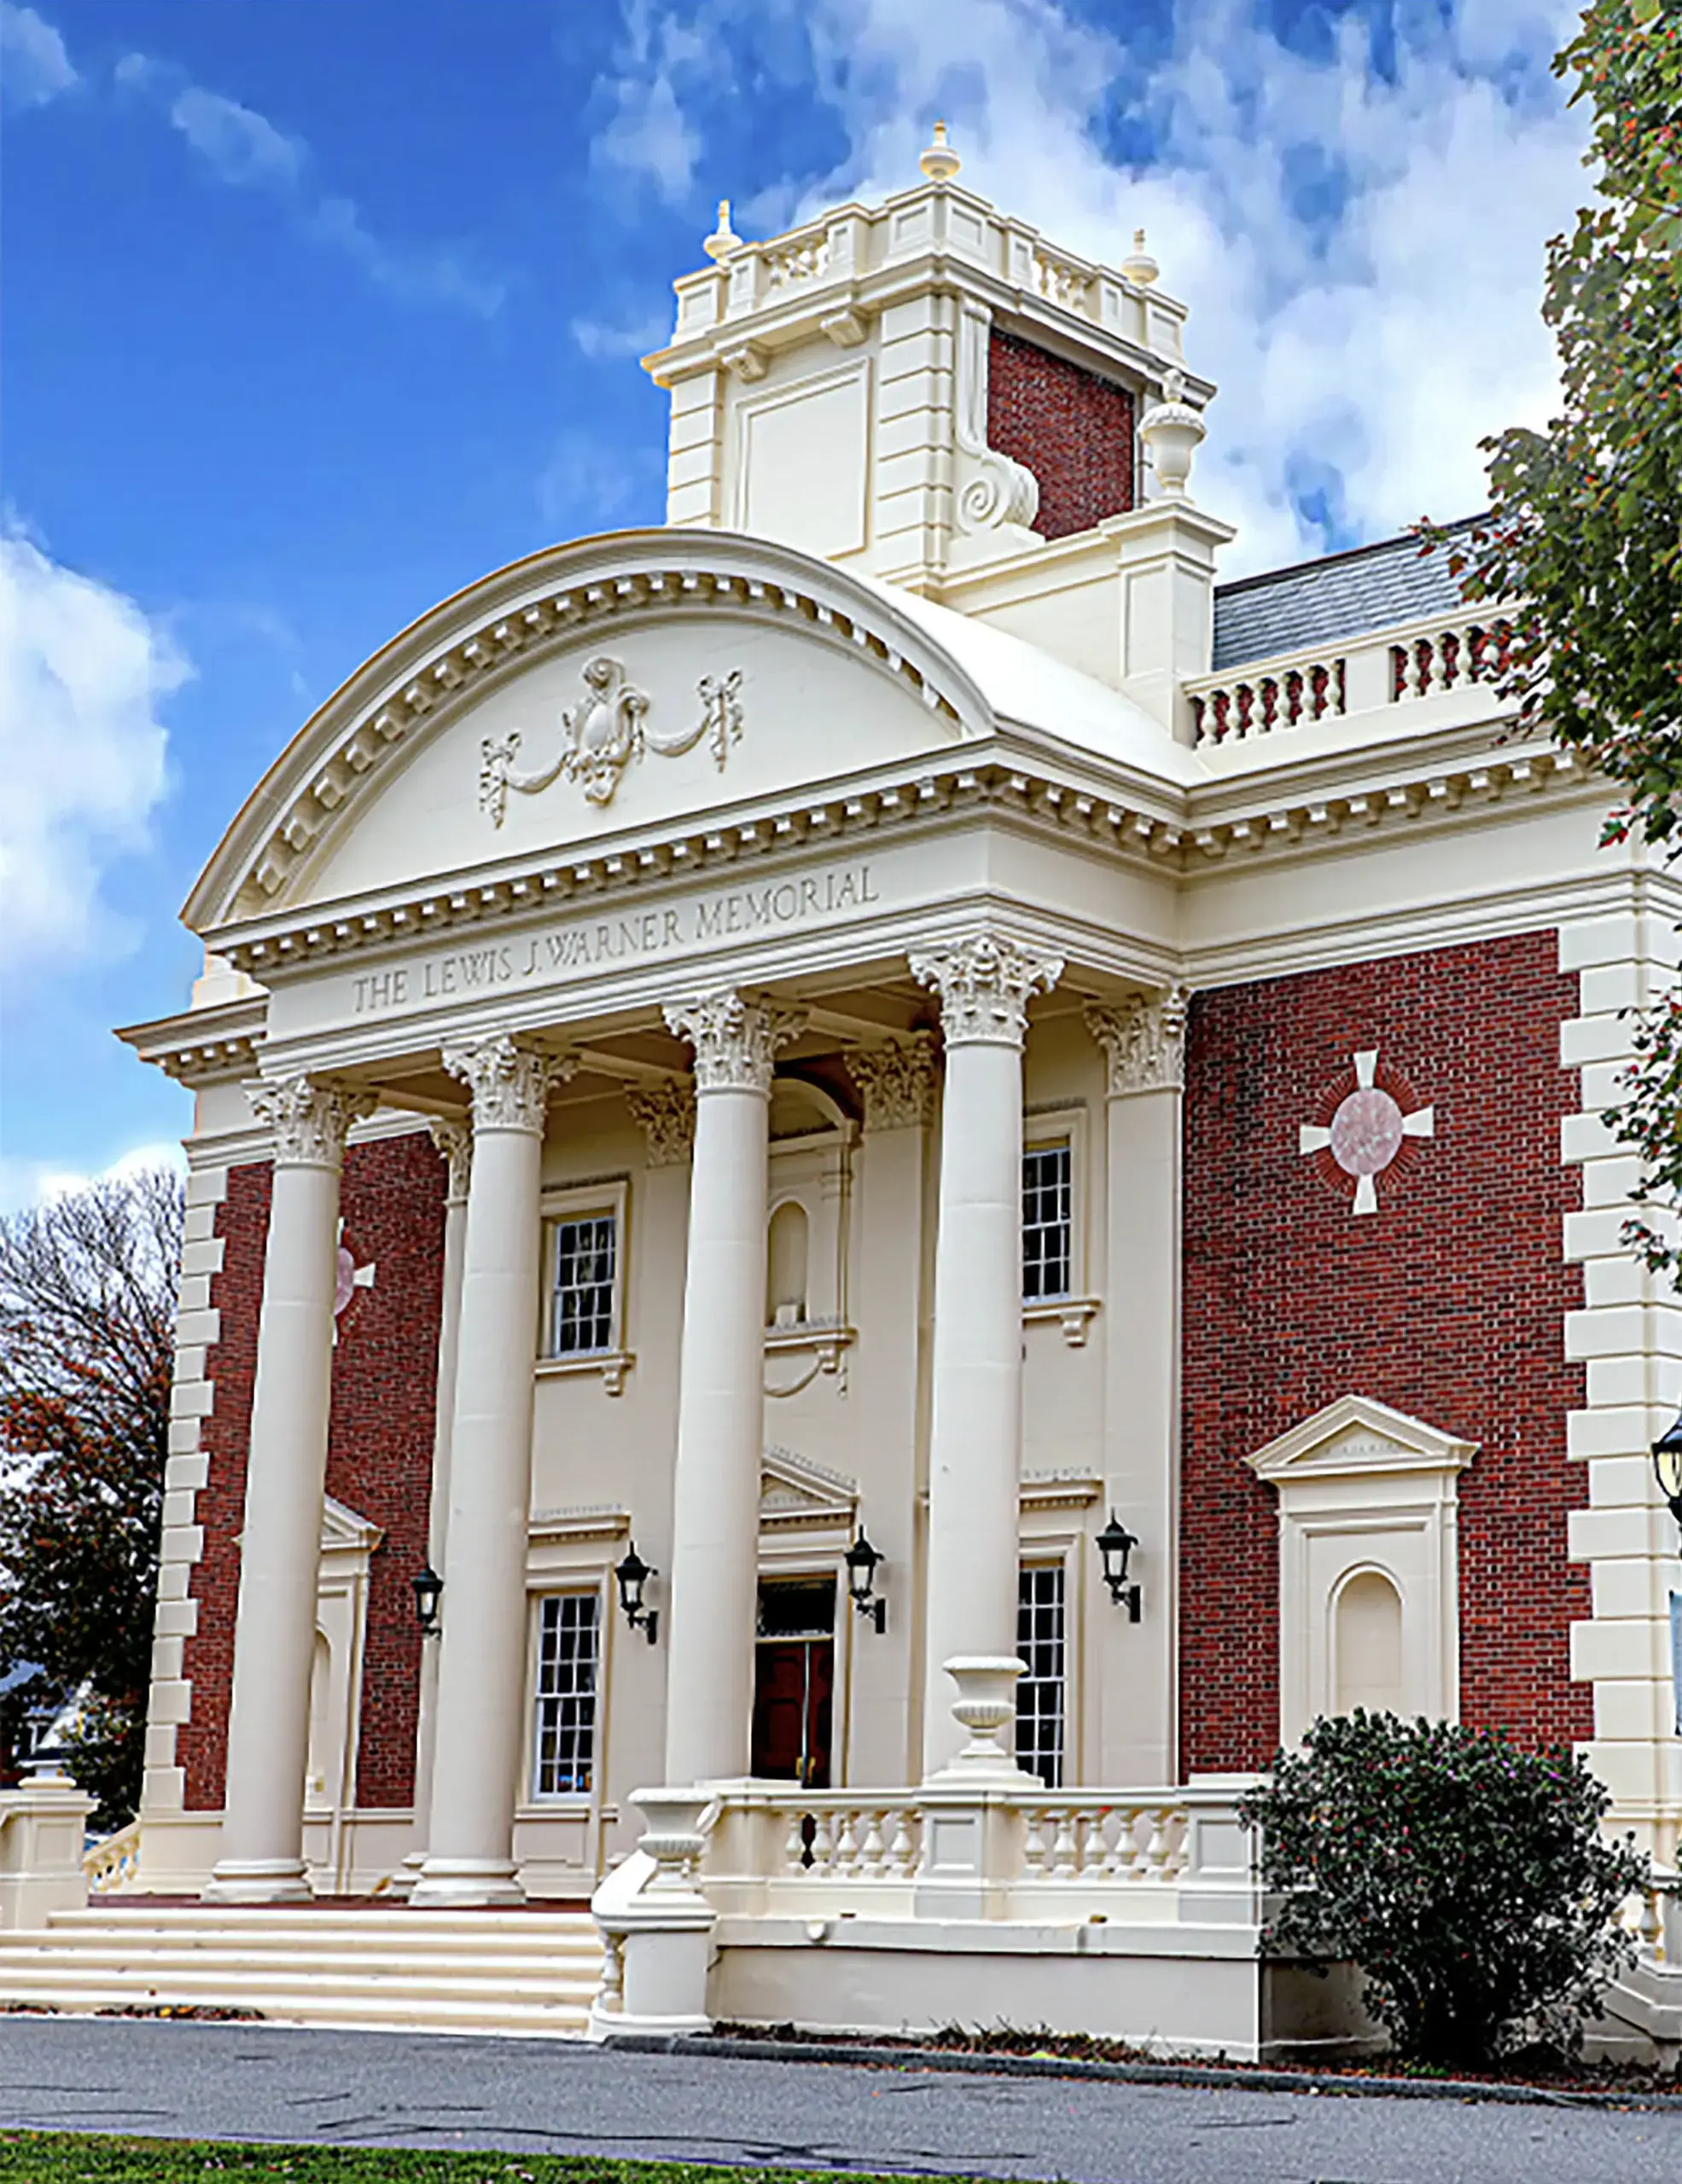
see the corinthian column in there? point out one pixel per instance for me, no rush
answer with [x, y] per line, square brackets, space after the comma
[975, 1438]
[481, 1669]
[454, 1140]
[262, 1859]
[715, 1507]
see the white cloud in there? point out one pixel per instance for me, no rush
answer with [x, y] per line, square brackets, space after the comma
[598, 338]
[587, 484]
[245, 149]
[34, 64]
[25, 1184]
[81, 752]
[1359, 234]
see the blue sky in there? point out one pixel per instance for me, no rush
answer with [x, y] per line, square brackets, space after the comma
[318, 312]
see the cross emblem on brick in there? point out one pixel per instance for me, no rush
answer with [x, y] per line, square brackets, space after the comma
[349, 1278]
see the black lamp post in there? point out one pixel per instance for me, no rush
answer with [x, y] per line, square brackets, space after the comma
[428, 1591]
[1115, 1543]
[1667, 1466]
[633, 1573]
[862, 1559]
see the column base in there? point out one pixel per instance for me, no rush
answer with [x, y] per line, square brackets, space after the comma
[258, 1880]
[402, 1883]
[465, 1884]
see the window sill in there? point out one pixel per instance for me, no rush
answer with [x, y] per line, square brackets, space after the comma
[565, 1804]
[1073, 1314]
[613, 1365]
[825, 1341]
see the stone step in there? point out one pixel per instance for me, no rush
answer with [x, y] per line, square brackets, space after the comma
[373, 2013]
[19, 1963]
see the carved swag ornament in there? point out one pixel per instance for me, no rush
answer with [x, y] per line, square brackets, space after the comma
[604, 732]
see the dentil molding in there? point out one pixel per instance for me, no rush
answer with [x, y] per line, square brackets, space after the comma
[309, 1120]
[1144, 1040]
[510, 1083]
[665, 1114]
[735, 1040]
[897, 1081]
[985, 982]
[454, 1140]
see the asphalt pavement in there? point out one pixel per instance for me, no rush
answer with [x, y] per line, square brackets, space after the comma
[184, 2080]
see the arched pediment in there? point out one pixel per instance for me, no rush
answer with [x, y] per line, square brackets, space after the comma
[588, 690]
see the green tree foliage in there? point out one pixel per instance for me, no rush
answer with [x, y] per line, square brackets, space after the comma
[1585, 528]
[1469, 1880]
[87, 1313]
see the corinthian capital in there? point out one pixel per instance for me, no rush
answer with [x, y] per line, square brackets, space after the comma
[735, 1041]
[665, 1114]
[985, 982]
[309, 1120]
[897, 1080]
[510, 1083]
[1144, 1040]
[454, 1140]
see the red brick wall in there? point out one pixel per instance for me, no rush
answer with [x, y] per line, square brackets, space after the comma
[1447, 1303]
[1074, 430]
[379, 1449]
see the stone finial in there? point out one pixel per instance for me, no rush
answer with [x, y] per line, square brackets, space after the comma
[1141, 268]
[940, 162]
[1172, 431]
[724, 238]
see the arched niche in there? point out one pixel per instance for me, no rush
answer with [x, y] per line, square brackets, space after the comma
[788, 1245]
[1366, 1645]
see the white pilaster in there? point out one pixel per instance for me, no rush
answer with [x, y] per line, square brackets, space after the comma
[715, 1509]
[481, 1671]
[1144, 1043]
[1628, 1336]
[454, 1140]
[262, 1845]
[976, 1442]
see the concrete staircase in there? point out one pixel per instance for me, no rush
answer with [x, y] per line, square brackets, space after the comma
[504, 1971]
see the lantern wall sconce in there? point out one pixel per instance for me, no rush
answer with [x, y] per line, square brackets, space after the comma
[1114, 1544]
[428, 1592]
[1667, 1466]
[633, 1574]
[862, 1563]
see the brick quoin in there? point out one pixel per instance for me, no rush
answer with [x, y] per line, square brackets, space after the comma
[379, 1461]
[1074, 430]
[1448, 1303]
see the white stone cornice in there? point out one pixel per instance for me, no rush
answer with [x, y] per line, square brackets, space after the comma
[1144, 1041]
[665, 1114]
[897, 1080]
[454, 1140]
[308, 1120]
[510, 1083]
[735, 1040]
[984, 982]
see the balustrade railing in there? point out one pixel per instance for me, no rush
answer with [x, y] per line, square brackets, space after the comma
[112, 1865]
[1235, 709]
[787, 265]
[1446, 659]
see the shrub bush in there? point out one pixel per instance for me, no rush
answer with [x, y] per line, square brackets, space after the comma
[1469, 1880]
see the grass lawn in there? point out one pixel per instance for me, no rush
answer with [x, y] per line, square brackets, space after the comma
[70, 2158]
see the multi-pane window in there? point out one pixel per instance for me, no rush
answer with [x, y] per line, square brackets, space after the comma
[568, 1646]
[581, 1313]
[1039, 1692]
[1048, 1240]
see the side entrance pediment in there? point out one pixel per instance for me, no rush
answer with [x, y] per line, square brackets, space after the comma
[1358, 1437]
[794, 1492]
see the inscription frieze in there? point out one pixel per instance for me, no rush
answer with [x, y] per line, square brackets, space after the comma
[577, 946]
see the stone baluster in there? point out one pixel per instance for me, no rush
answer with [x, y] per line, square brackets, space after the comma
[481, 1672]
[262, 1847]
[984, 982]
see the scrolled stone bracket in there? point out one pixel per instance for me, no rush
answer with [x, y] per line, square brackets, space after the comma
[310, 1120]
[510, 1083]
[897, 1081]
[985, 982]
[736, 1040]
[1144, 1040]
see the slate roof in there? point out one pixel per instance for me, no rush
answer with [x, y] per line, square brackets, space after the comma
[1342, 596]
